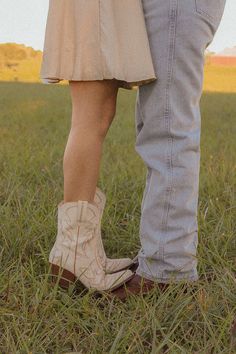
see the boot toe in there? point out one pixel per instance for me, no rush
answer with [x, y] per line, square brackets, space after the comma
[116, 265]
[115, 280]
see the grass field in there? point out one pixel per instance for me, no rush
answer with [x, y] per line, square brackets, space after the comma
[37, 318]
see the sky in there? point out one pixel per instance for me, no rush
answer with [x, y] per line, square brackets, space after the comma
[24, 21]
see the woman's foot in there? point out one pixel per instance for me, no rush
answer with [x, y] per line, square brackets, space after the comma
[74, 255]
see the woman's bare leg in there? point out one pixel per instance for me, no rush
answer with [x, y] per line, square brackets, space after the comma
[93, 110]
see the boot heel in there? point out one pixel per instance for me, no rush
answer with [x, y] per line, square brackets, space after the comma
[66, 278]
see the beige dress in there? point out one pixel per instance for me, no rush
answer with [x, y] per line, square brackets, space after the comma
[95, 40]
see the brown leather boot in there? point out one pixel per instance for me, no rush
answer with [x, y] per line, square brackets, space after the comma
[136, 286]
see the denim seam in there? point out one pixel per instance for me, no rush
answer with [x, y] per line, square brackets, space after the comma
[167, 113]
[212, 19]
[147, 187]
[139, 105]
[139, 109]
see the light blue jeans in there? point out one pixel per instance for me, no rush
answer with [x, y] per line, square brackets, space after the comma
[168, 126]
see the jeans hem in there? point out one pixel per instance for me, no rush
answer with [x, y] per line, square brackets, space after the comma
[160, 279]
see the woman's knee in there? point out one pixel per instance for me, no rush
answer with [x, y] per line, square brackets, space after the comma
[94, 106]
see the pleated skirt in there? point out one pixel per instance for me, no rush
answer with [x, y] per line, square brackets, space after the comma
[88, 40]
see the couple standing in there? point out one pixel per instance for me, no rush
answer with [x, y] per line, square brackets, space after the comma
[158, 45]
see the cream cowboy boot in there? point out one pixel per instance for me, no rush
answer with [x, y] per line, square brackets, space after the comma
[109, 265]
[74, 255]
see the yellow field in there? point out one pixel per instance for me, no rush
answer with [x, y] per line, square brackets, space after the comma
[26, 71]
[220, 79]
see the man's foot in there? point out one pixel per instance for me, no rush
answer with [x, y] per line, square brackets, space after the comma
[137, 286]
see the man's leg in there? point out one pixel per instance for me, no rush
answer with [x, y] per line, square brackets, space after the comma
[168, 126]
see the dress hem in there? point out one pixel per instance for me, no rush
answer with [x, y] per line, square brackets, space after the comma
[46, 79]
